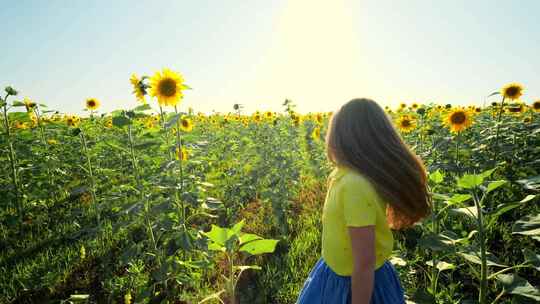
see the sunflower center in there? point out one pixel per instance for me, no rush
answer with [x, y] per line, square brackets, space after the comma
[91, 103]
[512, 91]
[458, 118]
[167, 87]
[185, 123]
[536, 105]
[406, 123]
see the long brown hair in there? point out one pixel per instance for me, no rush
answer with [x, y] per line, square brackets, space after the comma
[362, 137]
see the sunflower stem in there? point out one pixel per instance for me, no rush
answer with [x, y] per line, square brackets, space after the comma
[91, 175]
[457, 152]
[46, 145]
[141, 193]
[498, 129]
[179, 149]
[13, 162]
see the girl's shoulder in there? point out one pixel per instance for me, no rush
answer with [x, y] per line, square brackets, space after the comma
[346, 177]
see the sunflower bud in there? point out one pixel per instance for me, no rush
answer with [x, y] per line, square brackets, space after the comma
[11, 91]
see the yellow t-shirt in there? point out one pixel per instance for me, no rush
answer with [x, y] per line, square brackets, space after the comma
[351, 200]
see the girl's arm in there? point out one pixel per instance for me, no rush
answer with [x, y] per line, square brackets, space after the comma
[363, 249]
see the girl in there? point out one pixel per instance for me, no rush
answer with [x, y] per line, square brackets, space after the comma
[377, 184]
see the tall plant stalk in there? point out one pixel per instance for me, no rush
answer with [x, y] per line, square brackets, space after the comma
[45, 144]
[180, 167]
[13, 162]
[141, 193]
[91, 176]
[482, 239]
[498, 129]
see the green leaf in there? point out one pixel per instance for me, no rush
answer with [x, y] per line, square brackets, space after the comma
[219, 235]
[442, 265]
[460, 198]
[531, 183]
[469, 181]
[494, 185]
[143, 107]
[500, 211]
[213, 296]
[397, 261]
[16, 103]
[487, 172]
[471, 212]
[79, 298]
[246, 267]
[435, 242]
[236, 228]
[474, 257]
[248, 237]
[528, 225]
[120, 121]
[259, 247]
[437, 177]
[503, 208]
[514, 284]
[532, 258]
[172, 121]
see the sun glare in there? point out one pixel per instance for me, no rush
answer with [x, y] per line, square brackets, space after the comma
[314, 55]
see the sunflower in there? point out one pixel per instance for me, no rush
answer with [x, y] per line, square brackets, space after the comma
[139, 88]
[268, 115]
[458, 120]
[402, 106]
[316, 133]
[414, 105]
[72, 121]
[167, 86]
[319, 118]
[182, 153]
[92, 104]
[52, 142]
[19, 125]
[477, 109]
[257, 117]
[527, 120]
[108, 123]
[186, 124]
[406, 124]
[29, 104]
[512, 91]
[536, 106]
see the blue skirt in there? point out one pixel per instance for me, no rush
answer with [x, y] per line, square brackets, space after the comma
[324, 286]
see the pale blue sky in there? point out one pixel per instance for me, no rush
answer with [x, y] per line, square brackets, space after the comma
[318, 53]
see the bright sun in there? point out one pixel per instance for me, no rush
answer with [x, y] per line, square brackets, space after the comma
[314, 55]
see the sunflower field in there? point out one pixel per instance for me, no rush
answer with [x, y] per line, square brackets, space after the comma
[162, 204]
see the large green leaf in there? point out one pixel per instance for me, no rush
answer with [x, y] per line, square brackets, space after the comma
[528, 225]
[514, 284]
[494, 185]
[469, 181]
[503, 208]
[531, 183]
[436, 177]
[532, 258]
[120, 121]
[219, 235]
[470, 212]
[474, 257]
[143, 107]
[259, 246]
